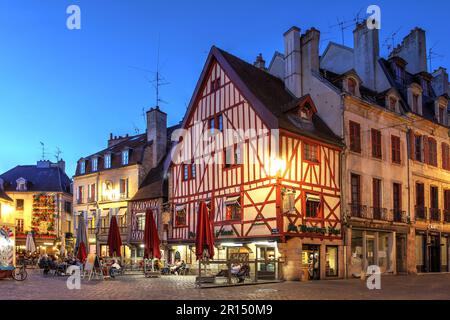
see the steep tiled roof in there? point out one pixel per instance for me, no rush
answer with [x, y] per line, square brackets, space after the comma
[136, 144]
[155, 183]
[38, 179]
[273, 94]
[4, 196]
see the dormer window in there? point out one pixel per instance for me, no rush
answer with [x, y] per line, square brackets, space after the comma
[393, 103]
[82, 167]
[94, 164]
[21, 184]
[107, 161]
[415, 98]
[351, 86]
[125, 157]
[442, 115]
[425, 87]
[306, 112]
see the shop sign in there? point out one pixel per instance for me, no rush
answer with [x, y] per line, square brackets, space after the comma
[306, 229]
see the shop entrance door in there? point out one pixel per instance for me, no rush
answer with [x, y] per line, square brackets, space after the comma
[266, 264]
[370, 250]
[400, 246]
[434, 254]
[312, 257]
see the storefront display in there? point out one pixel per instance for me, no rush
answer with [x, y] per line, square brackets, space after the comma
[7, 246]
[332, 261]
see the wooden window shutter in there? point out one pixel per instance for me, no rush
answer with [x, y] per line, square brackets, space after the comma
[412, 143]
[426, 150]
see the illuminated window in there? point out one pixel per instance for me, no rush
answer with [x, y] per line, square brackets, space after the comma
[19, 204]
[108, 161]
[82, 167]
[140, 223]
[312, 206]
[233, 208]
[124, 188]
[180, 217]
[233, 156]
[94, 164]
[125, 157]
[311, 152]
[332, 261]
[19, 225]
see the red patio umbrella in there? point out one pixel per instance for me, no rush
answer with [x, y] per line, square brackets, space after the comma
[204, 242]
[151, 238]
[114, 239]
[81, 254]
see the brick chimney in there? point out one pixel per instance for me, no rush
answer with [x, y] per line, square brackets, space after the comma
[310, 57]
[413, 50]
[60, 164]
[260, 63]
[366, 54]
[440, 82]
[157, 133]
[113, 140]
[292, 61]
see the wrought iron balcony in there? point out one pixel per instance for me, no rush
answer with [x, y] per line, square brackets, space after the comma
[435, 214]
[377, 213]
[447, 216]
[420, 213]
[399, 216]
[357, 210]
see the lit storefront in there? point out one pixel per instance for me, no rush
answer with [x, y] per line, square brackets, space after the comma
[385, 249]
[432, 251]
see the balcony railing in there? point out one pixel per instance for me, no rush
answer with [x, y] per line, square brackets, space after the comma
[357, 210]
[399, 215]
[446, 216]
[379, 214]
[435, 214]
[79, 201]
[420, 213]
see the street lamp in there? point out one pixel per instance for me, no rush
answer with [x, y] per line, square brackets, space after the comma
[278, 167]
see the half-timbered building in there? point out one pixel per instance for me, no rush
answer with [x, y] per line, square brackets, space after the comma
[267, 166]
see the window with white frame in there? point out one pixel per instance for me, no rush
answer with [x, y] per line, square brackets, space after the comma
[94, 164]
[288, 198]
[21, 184]
[107, 161]
[82, 167]
[125, 157]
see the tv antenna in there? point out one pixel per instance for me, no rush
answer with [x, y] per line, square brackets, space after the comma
[345, 24]
[58, 153]
[432, 54]
[43, 150]
[389, 42]
[136, 129]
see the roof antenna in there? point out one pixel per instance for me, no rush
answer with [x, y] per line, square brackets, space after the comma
[344, 25]
[58, 153]
[158, 81]
[43, 150]
[431, 55]
[389, 42]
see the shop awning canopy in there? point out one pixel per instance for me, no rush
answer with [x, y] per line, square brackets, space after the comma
[313, 197]
[233, 200]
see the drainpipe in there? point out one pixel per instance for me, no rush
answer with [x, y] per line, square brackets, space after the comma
[408, 160]
[342, 174]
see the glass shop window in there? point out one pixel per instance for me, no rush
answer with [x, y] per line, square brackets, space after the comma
[331, 261]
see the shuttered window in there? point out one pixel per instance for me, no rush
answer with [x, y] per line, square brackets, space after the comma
[355, 137]
[396, 152]
[376, 143]
[445, 156]
[432, 152]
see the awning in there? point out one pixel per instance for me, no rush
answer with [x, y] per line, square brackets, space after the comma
[233, 200]
[180, 207]
[313, 197]
[122, 212]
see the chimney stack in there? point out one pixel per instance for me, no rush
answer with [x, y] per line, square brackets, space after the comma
[292, 64]
[260, 63]
[157, 133]
[440, 82]
[310, 51]
[366, 54]
[413, 50]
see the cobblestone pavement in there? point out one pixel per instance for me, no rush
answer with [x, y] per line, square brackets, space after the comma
[432, 287]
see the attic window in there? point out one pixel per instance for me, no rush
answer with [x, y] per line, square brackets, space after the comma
[351, 84]
[306, 112]
[83, 167]
[442, 114]
[125, 157]
[215, 85]
[21, 184]
[392, 103]
[425, 86]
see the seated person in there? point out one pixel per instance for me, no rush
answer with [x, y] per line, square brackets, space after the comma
[115, 268]
[235, 268]
[243, 272]
[174, 269]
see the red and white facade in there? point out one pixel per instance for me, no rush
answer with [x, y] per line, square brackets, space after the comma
[264, 194]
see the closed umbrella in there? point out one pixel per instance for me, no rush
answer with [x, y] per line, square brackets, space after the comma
[114, 239]
[151, 238]
[205, 238]
[62, 250]
[80, 245]
[29, 243]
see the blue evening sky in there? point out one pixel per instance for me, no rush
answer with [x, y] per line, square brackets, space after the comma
[71, 88]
